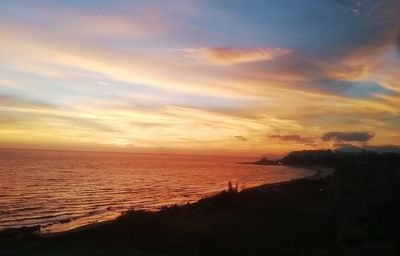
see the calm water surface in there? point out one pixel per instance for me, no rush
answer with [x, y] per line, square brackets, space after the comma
[63, 190]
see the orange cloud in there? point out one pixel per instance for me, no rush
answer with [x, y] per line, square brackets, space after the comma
[234, 55]
[294, 138]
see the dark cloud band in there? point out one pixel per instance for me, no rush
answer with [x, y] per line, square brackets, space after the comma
[348, 136]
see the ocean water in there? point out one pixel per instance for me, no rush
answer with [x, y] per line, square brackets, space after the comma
[62, 190]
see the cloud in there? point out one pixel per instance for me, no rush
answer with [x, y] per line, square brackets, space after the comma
[88, 123]
[345, 147]
[7, 100]
[234, 55]
[240, 138]
[130, 21]
[398, 44]
[348, 136]
[134, 24]
[354, 89]
[293, 137]
[384, 148]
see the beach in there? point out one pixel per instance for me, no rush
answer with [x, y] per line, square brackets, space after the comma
[309, 216]
[320, 173]
[248, 198]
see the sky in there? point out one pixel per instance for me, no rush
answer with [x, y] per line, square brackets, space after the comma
[200, 76]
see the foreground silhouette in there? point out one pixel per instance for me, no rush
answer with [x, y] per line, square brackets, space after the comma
[353, 212]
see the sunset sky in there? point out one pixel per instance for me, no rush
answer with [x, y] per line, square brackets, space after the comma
[200, 76]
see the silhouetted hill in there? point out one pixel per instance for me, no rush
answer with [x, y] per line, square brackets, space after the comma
[263, 161]
[338, 158]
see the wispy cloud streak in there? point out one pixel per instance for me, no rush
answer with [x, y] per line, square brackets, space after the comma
[234, 55]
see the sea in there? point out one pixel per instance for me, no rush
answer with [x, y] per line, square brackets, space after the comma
[62, 190]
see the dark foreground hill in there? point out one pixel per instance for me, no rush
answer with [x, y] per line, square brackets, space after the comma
[354, 212]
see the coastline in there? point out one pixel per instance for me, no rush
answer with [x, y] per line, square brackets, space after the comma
[298, 217]
[320, 172]
[191, 220]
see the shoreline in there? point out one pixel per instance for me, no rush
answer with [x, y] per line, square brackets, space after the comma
[320, 172]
